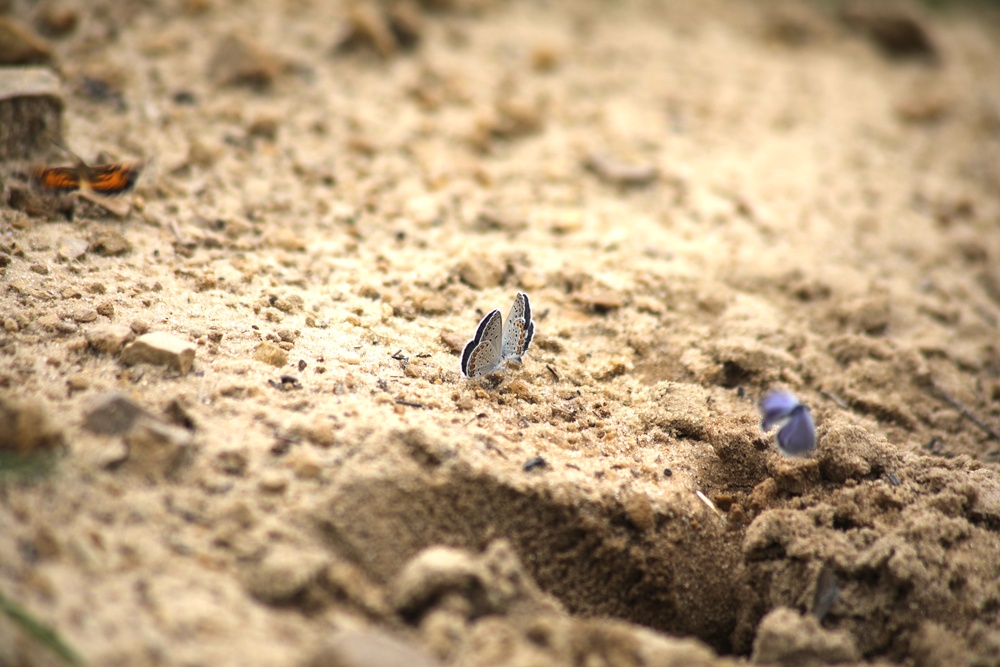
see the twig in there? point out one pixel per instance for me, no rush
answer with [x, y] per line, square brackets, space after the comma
[836, 399]
[965, 412]
[410, 404]
[711, 505]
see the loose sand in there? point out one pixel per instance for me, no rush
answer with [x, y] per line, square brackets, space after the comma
[703, 200]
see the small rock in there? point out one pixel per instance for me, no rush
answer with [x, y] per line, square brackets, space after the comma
[109, 243]
[285, 239]
[601, 301]
[283, 573]
[273, 481]
[106, 308]
[269, 353]
[482, 272]
[492, 582]
[112, 413]
[793, 475]
[84, 315]
[40, 269]
[139, 327]
[384, 31]
[561, 220]
[455, 341]
[29, 200]
[264, 127]
[70, 248]
[25, 427]
[306, 465]
[784, 637]
[160, 348]
[848, 451]
[424, 210]
[614, 171]
[433, 304]
[368, 648]
[893, 29]
[56, 21]
[239, 61]
[31, 105]
[156, 449]
[639, 511]
[20, 45]
[109, 338]
[232, 462]
[511, 118]
[78, 382]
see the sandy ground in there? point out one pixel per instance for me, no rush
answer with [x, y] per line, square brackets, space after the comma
[703, 200]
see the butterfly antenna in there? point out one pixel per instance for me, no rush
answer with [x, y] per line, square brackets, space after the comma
[76, 157]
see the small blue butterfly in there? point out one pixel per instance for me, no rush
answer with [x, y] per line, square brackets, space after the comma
[496, 343]
[797, 435]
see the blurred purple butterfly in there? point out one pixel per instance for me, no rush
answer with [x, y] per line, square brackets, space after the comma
[797, 432]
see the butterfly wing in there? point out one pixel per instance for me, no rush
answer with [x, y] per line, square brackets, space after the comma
[798, 436]
[481, 355]
[519, 329]
[775, 407]
[112, 179]
[56, 179]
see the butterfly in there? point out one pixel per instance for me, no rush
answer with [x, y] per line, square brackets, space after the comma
[797, 434]
[107, 180]
[496, 342]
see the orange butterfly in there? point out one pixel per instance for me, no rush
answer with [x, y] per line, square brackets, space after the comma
[107, 180]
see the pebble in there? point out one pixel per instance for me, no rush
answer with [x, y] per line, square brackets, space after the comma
[639, 511]
[70, 248]
[106, 308]
[20, 45]
[385, 31]
[283, 573]
[785, 637]
[162, 349]
[84, 315]
[601, 301]
[111, 413]
[482, 272]
[897, 32]
[455, 341]
[25, 427]
[614, 171]
[306, 465]
[239, 61]
[433, 304]
[78, 382]
[273, 481]
[109, 338]
[369, 648]
[56, 21]
[156, 449]
[109, 243]
[269, 353]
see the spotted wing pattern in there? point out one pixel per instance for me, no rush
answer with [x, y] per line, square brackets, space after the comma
[519, 329]
[56, 179]
[481, 355]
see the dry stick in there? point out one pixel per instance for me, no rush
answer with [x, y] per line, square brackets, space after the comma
[836, 399]
[954, 402]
